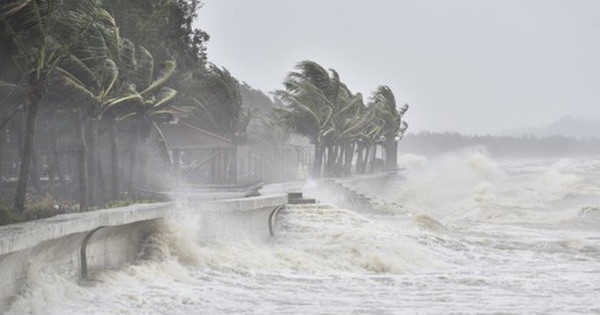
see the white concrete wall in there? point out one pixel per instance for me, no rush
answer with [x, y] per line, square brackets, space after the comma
[118, 236]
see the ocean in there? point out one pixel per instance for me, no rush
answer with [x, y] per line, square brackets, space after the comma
[457, 234]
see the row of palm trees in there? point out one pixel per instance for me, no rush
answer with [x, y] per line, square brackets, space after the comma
[69, 54]
[344, 130]
[67, 61]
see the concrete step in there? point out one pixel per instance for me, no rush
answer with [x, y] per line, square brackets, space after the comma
[296, 198]
[303, 201]
[295, 195]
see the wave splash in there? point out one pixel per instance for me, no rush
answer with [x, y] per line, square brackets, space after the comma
[471, 186]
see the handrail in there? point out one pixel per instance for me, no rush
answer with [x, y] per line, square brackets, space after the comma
[83, 252]
[272, 219]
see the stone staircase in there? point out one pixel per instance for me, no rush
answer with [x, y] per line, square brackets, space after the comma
[296, 198]
[354, 199]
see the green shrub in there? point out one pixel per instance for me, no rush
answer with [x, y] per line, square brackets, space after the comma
[7, 215]
[36, 208]
[127, 202]
[47, 206]
[39, 207]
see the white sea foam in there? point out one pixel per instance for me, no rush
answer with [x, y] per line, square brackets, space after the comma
[474, 235]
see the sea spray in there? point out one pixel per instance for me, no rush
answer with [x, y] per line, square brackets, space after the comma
[449, 185]
[493, 238]
[331, 239]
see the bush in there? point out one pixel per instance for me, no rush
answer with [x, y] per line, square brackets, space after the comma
[39, 207]
[7, 216]
[46, 206]
[127, 202]
[35, 208]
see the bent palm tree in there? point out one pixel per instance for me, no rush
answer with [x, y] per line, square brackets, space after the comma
[43, 33]
[383, 102]
[148, 107]
[310, 98]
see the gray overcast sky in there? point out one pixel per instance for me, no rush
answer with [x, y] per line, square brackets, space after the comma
[474, 66]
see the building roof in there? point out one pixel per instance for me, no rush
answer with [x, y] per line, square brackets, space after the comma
[183, 136]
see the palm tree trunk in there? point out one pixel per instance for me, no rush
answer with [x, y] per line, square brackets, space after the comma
[328, 161]
[318, 160]
[233, 163]
[27, 156]
[337, 163]
[2, 144]
[82, 167]
[391, 155]
[55, 155]
[359, 153]
[34, 173]
[365, 160]
[371, 158]
[132, 164]
[92, 164]
[339, 158]
[349, 156]
[114, 158]
[101, 196]
[134, 172]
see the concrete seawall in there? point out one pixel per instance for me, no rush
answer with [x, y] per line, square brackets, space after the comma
[81, 243]
[78, 244]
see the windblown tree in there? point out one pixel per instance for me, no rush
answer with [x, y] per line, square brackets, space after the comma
[349, 124]
[217, 102]
[44, 33]
[383, 103]
[310, 98]
[146, 105]
[69, 57]
[108, 85]
[165, 29]
[322, 108]
[90, 73]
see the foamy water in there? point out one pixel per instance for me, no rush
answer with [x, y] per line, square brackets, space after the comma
[470, 236]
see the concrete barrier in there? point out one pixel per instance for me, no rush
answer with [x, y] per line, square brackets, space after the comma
[81, 243]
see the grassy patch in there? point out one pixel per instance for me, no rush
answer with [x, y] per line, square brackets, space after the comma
[46, 206]
[127, 202]
[37, 207]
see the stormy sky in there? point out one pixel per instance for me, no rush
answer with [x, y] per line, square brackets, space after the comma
[473, 66]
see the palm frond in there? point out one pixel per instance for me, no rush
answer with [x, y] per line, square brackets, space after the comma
[144, 68]
[164, 97]
[124, 105]
[166, 70]
[108, 77]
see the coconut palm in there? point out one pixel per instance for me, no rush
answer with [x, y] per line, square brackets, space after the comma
[383, 103]
[350, 123]
[91, 73]
[146, 103]
[216, 100]
[44, 32]
[310, 98]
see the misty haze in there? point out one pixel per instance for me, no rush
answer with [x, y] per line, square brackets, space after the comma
[299, 157]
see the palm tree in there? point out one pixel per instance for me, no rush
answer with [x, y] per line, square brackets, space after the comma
[310, 97]
[217, 106]
[44, 33]
[91, 73]
[350, 123]
[219, 101]
[146, 104]
[383, 103]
